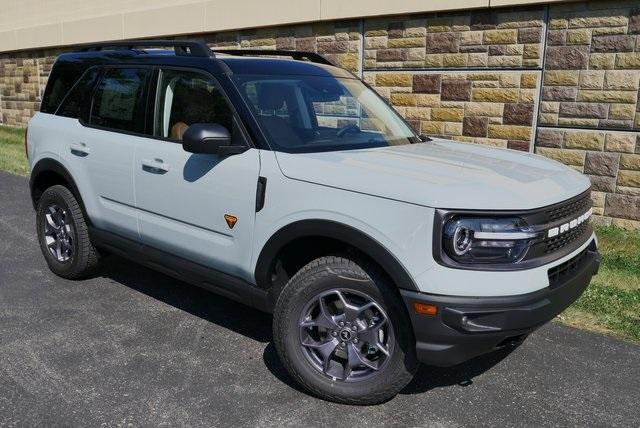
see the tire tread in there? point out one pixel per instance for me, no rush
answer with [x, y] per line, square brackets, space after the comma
[87, 256]
[327, 266]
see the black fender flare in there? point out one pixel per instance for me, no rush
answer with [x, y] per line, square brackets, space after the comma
[52, 165]
[338, 231]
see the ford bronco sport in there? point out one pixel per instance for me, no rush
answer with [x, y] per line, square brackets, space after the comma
[286, 183]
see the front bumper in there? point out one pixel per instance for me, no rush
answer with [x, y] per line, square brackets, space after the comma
[465, 327]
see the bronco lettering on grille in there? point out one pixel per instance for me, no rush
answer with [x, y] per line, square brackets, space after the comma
[565, 227]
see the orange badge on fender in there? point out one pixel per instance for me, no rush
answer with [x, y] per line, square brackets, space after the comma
[231, 220]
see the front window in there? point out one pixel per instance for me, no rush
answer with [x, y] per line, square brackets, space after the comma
[301, 114]
[188, 97]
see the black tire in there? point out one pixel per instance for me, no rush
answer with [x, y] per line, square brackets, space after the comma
[84, 257]
[330, 273]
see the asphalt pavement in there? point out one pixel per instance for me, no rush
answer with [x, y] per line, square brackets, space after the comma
[132, 346]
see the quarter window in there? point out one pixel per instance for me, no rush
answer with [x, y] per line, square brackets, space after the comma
[76, 104]
[62, 78]
[187, 97]
[119, 101]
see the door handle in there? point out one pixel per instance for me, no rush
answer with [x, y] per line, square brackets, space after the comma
[156, 166]
[79, 149]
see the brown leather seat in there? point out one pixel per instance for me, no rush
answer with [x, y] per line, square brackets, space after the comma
[177, 131]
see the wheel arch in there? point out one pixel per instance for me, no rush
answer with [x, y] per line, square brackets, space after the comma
[335, 232]
[48, 172]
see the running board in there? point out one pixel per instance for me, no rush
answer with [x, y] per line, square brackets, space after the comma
[185, 270]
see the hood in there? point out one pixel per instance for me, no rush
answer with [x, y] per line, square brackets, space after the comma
[441, 174]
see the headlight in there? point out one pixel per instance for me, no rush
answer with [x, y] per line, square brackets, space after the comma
[471, 240]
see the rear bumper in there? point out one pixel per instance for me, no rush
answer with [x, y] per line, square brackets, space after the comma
[465, 327]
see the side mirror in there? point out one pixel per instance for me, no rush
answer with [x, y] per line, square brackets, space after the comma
[424, 138]
[210, 138]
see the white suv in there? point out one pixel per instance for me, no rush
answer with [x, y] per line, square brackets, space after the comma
[289, 185]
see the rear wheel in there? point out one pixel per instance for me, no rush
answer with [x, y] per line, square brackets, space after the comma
[342, 332]
[63, 234]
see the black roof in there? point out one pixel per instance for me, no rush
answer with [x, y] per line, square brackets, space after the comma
[216, 63]
[262, 65]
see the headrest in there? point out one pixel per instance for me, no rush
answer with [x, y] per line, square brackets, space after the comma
[177, 131]
[193, 105]
[271, 96]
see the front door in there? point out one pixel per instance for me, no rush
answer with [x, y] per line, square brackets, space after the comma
[187, 202]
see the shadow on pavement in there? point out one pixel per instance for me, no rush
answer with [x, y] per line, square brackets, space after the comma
[204, 304]
[256, 325]
[427, 377]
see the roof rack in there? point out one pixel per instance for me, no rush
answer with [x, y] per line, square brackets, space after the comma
[200, 49]
[181, 47]
[297, 55]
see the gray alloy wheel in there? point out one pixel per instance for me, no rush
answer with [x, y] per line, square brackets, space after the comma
[58, 233]
[63, 234]
[342, 332]
[346, 335]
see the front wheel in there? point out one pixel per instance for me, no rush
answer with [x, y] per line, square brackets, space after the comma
[342, 332]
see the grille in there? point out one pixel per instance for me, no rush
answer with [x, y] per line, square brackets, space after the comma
[572, 209]
[565, 213]
[558, 273]
[557, 242]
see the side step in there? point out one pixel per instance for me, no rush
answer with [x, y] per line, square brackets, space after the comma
[185, 270]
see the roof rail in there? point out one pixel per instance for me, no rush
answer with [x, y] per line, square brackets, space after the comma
[181, 47]
[297, 55]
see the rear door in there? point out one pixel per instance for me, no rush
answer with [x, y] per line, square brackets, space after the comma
[116, 125]
[109, 104]
[187, 202]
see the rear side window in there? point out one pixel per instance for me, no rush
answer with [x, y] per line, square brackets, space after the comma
[62, 78]
[76, 104]
[120, 99]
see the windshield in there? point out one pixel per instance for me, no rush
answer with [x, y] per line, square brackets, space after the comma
[302, 114]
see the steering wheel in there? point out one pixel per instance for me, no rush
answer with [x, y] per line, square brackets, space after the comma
[349, 128]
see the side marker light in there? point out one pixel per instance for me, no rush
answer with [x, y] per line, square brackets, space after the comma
[425, 309]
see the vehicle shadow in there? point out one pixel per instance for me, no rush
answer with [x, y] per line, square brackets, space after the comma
[196, 301]
[429, 377]
[426, 379]
[256, 325]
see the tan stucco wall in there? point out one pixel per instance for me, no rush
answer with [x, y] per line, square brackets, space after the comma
[28, 24]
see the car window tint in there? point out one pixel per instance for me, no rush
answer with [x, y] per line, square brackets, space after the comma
[300, 113]
[187, 97]
[60, 82]
[340, 113]
[267, 105]
[76, 104]
[119, 100]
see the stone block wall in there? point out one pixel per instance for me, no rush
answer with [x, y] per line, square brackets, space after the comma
[592, 66]
[489, 108]
[19, 89]
[340, 42]
[562, 80]
[498, 38]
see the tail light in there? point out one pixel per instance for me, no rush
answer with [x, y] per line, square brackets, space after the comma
[26, 147]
